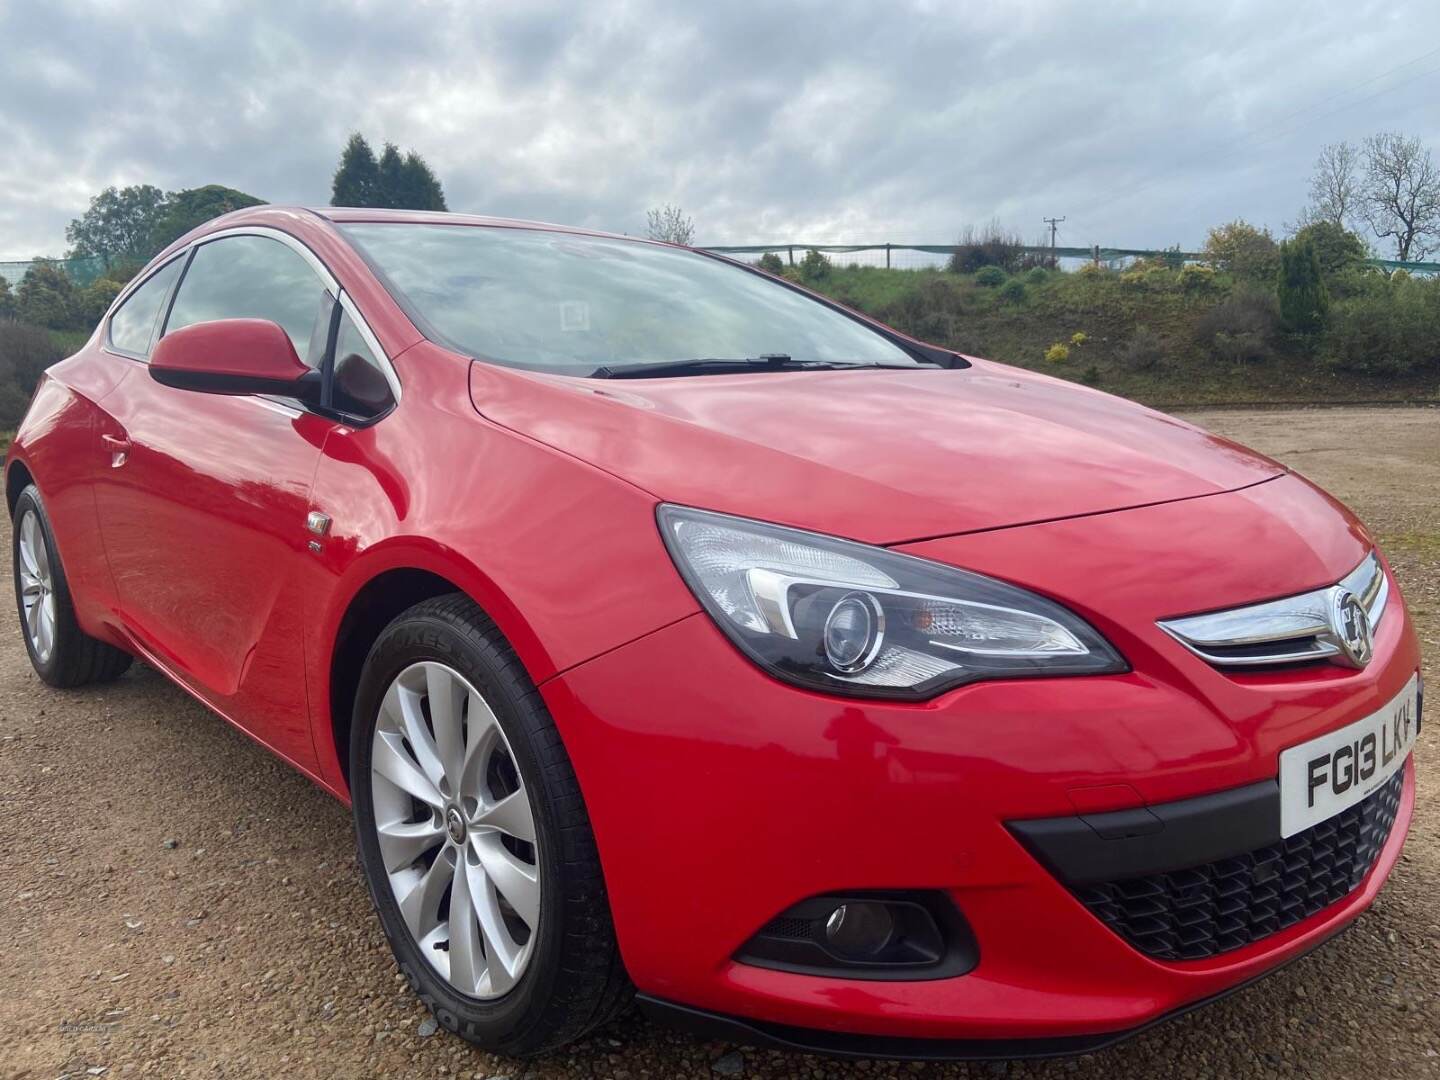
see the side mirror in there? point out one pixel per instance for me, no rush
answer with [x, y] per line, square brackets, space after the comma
[233, 356]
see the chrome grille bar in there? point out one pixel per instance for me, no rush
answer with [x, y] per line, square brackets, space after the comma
[1288, 631]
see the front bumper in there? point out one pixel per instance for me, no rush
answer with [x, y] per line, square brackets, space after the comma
[720, 797]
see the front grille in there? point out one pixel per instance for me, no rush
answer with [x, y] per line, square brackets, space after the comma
[1215, 907]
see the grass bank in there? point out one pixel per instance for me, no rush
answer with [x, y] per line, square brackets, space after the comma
[1161, 336]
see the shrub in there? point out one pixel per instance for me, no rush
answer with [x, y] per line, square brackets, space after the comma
[94, 300]
[1242, 326]
[1394, 330]
[1144, 351]
[1013, 291]
[1079, 337]
[44, 297]
[1091, 376]
[771, 263]
[1057, 353]
[990, 276]
[1196, 277]
[814, 267]
[1037, 275]
[25, 351]
[1241, 249]
[1299, 289]
[1091, 270]
[990, 246]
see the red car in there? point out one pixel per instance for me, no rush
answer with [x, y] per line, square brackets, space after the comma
[672, 630]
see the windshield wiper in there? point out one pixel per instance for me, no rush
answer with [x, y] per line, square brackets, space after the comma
[720, 365]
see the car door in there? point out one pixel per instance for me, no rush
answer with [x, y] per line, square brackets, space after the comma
[203, 498]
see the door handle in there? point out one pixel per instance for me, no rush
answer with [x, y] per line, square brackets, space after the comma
[119, 448]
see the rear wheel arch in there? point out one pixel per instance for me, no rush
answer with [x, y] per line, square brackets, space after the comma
[17, 479]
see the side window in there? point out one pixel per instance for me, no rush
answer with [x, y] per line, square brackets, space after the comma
[132, 327]
[359, 384]
[254, 277]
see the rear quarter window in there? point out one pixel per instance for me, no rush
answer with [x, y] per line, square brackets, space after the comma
[132, 327]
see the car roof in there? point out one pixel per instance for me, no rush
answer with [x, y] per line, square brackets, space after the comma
[340, 215]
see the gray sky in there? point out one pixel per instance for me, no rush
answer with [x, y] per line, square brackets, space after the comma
[825, 121]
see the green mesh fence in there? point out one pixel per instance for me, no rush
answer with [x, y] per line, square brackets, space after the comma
[917, 256]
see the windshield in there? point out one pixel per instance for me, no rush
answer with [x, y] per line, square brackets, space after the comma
[573, 304]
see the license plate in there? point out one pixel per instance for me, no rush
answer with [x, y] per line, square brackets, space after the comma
[1324, 776]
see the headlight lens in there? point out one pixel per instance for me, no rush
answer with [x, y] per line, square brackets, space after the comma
[858, 620]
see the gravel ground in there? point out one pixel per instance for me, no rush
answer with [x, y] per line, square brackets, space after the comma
[175, 902]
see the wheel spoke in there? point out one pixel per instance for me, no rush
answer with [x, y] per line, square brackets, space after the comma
[502, 955]
[446, 695]
[511, 815]
[27, 545]
[402, 842]
[420, 906]
[42, 556]
[402, 705]
[482, 731]
[47, 625]
[517, 881]
[392, 762]
[467, 958]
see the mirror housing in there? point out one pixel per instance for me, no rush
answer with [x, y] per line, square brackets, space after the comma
[233, 356]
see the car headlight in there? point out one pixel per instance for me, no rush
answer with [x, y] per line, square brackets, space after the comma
[853, 619]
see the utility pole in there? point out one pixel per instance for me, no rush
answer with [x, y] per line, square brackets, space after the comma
[1054, 223]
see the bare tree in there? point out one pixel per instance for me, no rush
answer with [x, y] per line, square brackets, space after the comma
[669, 223]
[1402, 194]
[1335, 185]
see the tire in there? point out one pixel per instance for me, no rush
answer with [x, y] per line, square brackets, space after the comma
[570, 978]
[62, 654]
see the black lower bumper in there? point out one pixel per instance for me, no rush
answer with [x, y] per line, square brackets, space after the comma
[847, 1044]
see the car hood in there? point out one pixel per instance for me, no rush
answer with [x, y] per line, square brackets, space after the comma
[876, 455]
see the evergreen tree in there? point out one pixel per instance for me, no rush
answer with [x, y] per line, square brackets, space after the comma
[1304, 303]
[357, 180]
[420, 185]
[392, 179]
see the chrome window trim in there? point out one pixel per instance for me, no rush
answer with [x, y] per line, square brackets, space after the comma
[327, 279]
[1298, 627]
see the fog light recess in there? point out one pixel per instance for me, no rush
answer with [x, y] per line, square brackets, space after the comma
[867, 935]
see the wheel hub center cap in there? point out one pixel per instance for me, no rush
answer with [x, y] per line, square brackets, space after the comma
[455, 825]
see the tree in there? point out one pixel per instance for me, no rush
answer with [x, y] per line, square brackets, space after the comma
[1336, 247]
[117, 225]
[7, 301]
[420, 186]
[1304, 302]
[771, 263]
[1402, 194]
[357, 180]
[1335, 185]
[185, 210]
[392, 169]
[403, 183]
[670, 224]
[1241, 249]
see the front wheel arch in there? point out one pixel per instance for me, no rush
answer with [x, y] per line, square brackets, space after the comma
[371, 609]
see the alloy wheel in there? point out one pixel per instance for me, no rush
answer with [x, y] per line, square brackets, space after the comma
[37, 586]
[456, 830]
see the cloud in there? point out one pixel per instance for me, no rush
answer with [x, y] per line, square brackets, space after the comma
[807, 121]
